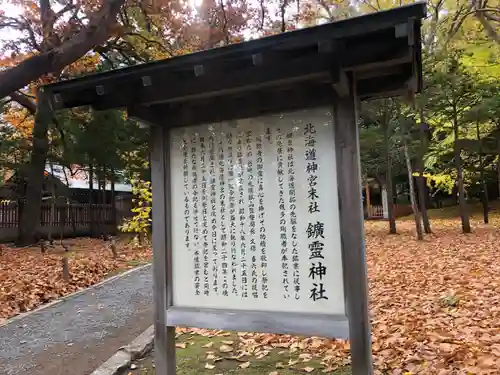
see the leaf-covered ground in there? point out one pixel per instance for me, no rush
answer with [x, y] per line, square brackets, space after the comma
[434, 305]
[435, 309]
[205, 353]
[29, 278]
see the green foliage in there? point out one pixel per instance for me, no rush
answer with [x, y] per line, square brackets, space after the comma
[459, 101]
[385, 125]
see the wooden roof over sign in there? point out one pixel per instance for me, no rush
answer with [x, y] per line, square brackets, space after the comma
[296, 69]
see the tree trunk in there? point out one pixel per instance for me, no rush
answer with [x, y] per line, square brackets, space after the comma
[484, 193]
[97, 32]
[52, 220]
[91, 200]
[368, 201]
[65, 268]
[71, 211]
[53, 212]
[101, 200]
[498, 169]
[30, 219]
[113, 249]
[422, 192]
[390, 194]
[63, 210]
[413, 201]
[113, 201]
[464, 215]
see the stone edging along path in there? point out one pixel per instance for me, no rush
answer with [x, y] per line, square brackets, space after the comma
[122, 359]
[71, 295]
[96, 321]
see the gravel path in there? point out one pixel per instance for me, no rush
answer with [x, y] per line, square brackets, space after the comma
[75, 336]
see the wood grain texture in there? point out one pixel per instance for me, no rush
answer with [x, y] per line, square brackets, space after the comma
[260, 321]
[352, 230]
[162, 276]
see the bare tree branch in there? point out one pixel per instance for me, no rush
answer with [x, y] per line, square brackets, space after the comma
[149, 42]
[284, 4]
[23, 100]
[262, 14]
[327, 9]
[54, 60]
[224, 24]
[480, 12]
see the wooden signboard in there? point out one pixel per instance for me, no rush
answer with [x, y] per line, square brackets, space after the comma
[257, 211]
[260, 218]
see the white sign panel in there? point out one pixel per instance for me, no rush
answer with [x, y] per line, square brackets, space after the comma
[255, 215]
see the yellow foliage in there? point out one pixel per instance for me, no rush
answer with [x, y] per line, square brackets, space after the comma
[20, 119]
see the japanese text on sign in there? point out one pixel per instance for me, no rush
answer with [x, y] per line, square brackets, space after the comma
[258, 227]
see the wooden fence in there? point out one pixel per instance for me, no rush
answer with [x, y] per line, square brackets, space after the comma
[74, 214]
[374, 211]
[377, 211]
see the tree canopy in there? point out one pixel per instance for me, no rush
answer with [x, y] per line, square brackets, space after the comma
[44, 41]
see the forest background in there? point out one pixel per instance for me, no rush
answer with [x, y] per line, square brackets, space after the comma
[444, 145]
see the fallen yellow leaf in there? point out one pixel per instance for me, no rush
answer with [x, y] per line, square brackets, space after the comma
[225, 349]
[244, 365]
[308, 369]
[209, 366]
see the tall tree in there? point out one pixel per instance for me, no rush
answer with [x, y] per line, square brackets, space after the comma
[56, 34]
[382, 113]
[451, 93]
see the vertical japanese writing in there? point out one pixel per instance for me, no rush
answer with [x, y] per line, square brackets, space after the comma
[233, 217]
[315, 229]
[213, 208]
[252, 213]
[232, 236]
[280, 152]
[195, 198]
[259, 165]
[242, 215]
[222, 208]
[187, 213]
[204, 209]
[292, 209]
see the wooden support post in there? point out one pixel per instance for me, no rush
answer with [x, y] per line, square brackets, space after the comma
[162, 275]
[352, 230]
[368, 201]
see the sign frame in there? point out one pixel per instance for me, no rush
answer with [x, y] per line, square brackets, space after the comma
[355, 326]
[335, 64]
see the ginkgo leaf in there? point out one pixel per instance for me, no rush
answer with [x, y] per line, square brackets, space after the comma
[244, 365]
[208, 366]
[225, 349]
